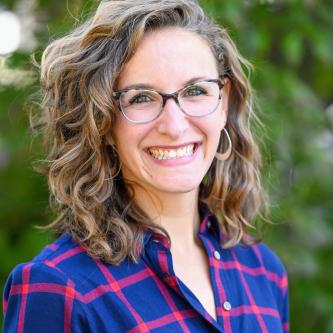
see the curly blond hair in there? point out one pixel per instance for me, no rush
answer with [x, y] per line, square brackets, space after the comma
[78, 75]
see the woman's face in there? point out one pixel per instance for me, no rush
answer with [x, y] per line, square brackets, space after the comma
[165, 60]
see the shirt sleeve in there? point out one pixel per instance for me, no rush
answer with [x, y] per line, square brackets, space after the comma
[281, 290]
[40, 298]
[278, 277]
[285, 308]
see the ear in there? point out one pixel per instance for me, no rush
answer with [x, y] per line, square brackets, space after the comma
[225, 91]
[109, 139]
[225, 95]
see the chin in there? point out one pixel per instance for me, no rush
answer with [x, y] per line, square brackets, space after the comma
[177, 187]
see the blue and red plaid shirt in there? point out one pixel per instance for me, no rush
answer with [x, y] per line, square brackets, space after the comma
[65, 290]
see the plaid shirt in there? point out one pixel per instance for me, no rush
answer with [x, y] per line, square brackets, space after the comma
[65, 290]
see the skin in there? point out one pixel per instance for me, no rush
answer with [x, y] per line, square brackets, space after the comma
[168, 190]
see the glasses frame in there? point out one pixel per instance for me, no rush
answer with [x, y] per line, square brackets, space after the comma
[165, 97]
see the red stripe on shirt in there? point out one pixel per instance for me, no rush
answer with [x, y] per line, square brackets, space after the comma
[24, 295]
[250, 296]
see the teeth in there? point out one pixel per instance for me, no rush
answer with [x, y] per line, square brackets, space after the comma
[167, 154]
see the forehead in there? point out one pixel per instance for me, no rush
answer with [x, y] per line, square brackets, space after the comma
[166, 58]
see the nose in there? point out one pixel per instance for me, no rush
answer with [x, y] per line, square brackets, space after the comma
[173, 121]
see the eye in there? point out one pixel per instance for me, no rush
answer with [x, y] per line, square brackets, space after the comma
[140, 98]
[193, 91]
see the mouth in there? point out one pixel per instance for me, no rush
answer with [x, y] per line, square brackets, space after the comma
[173, 153]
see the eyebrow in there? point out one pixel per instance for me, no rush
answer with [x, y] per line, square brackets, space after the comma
[150, 87]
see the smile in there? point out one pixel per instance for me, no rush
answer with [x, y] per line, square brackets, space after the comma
[169, 154]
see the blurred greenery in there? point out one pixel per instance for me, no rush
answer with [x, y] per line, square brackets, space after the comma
[290, 43]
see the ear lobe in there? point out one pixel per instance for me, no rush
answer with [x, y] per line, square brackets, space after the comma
[223, 120]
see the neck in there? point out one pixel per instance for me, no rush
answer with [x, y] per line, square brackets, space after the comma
[177, 213]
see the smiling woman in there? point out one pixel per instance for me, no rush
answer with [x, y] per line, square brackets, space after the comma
[172, 151]
[154, 174]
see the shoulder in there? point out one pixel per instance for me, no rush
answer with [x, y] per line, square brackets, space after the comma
[263, 275]
[260, 261]
[51, 272]
[40, 295]
[62, 262]
[65, 264]
[269, 259]
[50, 293]
[260, 254]
[60, 288]
[57, 272]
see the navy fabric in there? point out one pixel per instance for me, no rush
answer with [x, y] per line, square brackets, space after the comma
[65, 290]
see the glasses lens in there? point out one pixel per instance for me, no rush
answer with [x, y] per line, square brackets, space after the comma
[200, 99]
[140, 105]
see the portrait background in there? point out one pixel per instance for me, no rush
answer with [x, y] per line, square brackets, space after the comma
[290, 44]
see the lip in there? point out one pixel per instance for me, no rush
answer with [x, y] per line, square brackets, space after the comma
[177, 161]
[174, 147]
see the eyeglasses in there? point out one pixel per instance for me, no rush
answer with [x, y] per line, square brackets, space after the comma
[197, 99]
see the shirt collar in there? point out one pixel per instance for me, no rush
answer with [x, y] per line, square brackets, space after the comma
[209, 223]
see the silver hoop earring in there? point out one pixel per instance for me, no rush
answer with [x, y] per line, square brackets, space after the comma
[224, 156]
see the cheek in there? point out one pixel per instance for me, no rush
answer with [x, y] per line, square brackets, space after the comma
[124, 140]
[216, 123]
[212, 129]
[128, 138]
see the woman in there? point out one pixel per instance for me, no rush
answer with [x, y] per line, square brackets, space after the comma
[154, 173]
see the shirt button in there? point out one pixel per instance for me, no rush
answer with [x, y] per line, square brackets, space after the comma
[217, 255]
[226, 306]
[209, 224]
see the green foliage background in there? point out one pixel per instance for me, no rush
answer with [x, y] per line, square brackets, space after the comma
[290, 43]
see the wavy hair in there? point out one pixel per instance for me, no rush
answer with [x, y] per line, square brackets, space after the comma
[78, 75]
